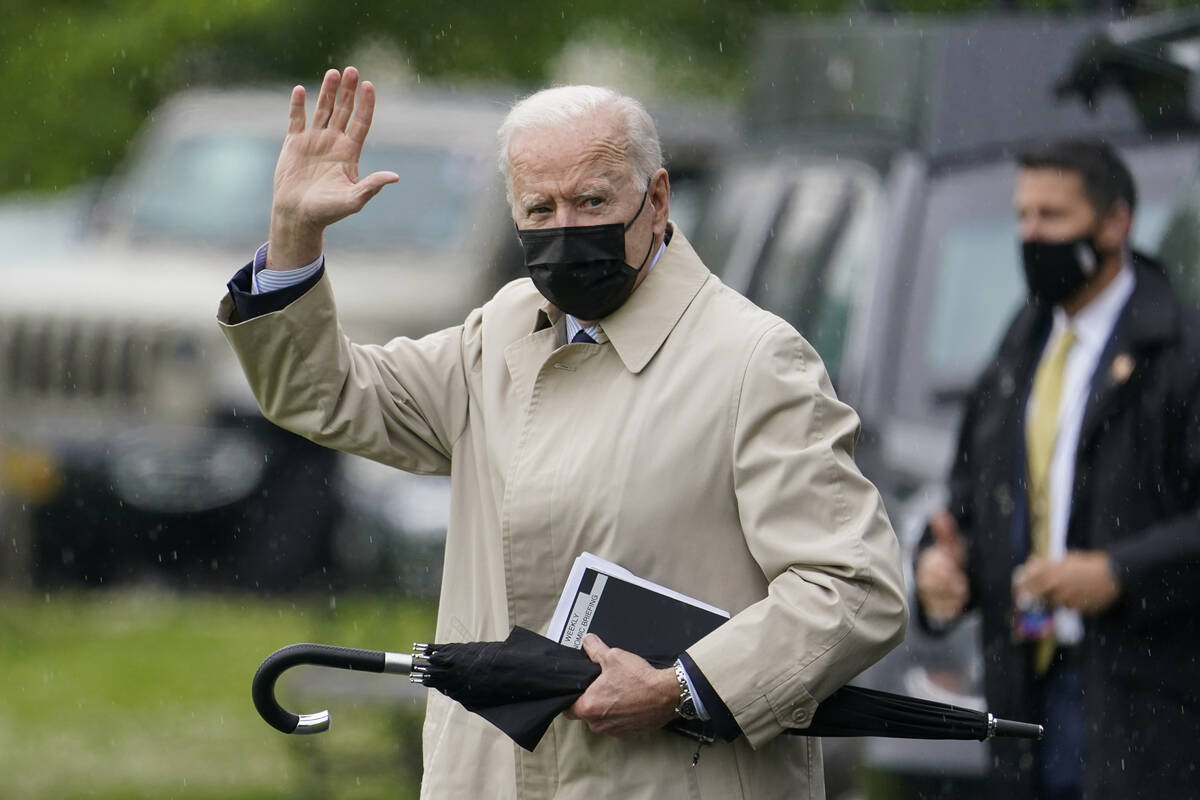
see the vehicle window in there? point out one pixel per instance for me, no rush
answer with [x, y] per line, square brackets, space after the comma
[737, 193]
[429, 209]
[969, 282]
[812, 262]
[970, 243]
[1180, 245]
[217, 188]
[203, 189]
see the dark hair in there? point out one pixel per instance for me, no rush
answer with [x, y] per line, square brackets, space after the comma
[1106, 178]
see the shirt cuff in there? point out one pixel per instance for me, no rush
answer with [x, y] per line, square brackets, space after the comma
[248, 304]
[724, 724]
[265, 280]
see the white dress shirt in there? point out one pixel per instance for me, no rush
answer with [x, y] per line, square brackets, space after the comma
[1093, 325]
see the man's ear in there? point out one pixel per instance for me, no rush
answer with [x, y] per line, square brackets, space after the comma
[660, 197]
[1114, 227]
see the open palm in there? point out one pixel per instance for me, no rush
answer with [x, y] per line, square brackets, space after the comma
[316, 177]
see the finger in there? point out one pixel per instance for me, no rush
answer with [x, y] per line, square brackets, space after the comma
[329, 85]
[1058, 596]
[937, 570]
[296, 110]
[943, 612]
[344, 104]
[364, 112]
[952, 584]
[944, 529]
[368, 187]
[1038, 577]
[594, 647]
[948, 596]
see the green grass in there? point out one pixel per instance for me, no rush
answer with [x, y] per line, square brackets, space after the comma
[142, 694]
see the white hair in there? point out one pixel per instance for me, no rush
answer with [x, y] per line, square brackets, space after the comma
[565, 104]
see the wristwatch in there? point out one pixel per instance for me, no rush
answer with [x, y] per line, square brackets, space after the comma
[687, 704]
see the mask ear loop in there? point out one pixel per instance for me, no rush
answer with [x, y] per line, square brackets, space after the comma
[641, 205]
[629, 224]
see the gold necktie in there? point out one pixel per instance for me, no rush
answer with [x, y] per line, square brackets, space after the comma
[1040, 433]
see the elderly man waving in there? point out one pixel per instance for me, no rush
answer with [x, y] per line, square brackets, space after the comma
[621, 401]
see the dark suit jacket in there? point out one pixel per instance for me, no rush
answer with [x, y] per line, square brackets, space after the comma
[1136, 495]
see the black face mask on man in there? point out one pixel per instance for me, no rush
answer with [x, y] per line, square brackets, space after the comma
[1057, 271]
[581, 269]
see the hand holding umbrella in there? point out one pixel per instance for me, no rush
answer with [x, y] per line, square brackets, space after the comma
[629, 698]
[521, 684]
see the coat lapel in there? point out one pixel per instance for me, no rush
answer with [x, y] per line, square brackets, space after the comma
[526, 355]
[1148, 320]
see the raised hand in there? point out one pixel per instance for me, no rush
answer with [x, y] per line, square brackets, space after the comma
[941, 575]
[316, 177]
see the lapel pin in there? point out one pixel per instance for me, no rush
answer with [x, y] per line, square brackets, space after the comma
[1122, 368]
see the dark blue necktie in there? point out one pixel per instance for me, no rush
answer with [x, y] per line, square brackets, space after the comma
[582, 337]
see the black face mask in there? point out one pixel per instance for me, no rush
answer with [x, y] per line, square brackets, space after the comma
[581, 269]
[1057, 271]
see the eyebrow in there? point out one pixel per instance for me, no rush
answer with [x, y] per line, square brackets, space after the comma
[531, 201]
[535, 199]
[595, 190]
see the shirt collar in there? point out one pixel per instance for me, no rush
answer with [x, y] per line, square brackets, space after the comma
[1094, 322]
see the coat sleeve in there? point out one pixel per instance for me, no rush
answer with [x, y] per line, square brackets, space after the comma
[818, 530]
[1159, 569]
[403, 404]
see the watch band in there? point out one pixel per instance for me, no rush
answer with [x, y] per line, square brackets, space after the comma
[687, 704]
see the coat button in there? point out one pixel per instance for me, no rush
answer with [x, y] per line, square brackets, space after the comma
[1004, 499]
[800, 715]
[1008, 384]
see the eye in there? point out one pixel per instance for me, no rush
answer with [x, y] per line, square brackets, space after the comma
[538, 210]
[593, 202]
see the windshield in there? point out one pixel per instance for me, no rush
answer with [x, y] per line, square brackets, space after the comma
[821, 217]
[969, 278]
[218, 189]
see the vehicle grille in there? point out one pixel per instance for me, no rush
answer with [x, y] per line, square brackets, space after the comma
[97, 362]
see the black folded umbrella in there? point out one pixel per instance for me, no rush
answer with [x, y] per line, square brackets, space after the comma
[521, 684]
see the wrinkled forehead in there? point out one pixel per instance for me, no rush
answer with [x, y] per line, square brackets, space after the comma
[593, 148]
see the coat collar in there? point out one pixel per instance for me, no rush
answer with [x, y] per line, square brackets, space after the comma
[1149, 318]
[638, 329]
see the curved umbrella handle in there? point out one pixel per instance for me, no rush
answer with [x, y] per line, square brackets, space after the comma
[323, 655]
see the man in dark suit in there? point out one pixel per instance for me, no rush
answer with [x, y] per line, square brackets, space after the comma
[1074, 516]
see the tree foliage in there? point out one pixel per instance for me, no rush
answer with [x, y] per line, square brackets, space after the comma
[77, 77]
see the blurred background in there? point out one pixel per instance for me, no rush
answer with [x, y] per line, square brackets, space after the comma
[847, 165]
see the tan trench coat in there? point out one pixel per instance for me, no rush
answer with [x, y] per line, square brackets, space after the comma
[699, 444]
